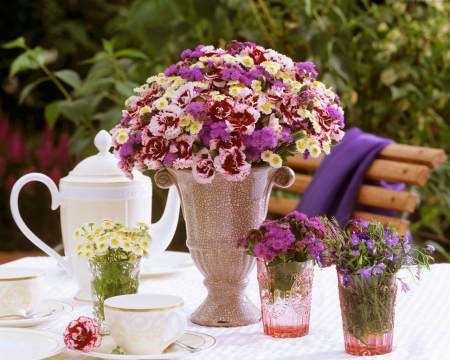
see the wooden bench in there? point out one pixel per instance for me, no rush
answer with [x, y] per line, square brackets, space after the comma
[408, 164]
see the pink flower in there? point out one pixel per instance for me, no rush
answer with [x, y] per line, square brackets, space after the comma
[203, 167]
[184, 95]
[243, 120]
[167, 123]
[82, 334]
[182, 148]
[231, 164]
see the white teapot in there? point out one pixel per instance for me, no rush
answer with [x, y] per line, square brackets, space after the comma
[94, 190]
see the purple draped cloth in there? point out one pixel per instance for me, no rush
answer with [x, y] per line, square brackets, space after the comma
[334, 186]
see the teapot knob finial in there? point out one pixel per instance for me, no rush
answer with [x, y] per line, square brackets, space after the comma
[102, 141]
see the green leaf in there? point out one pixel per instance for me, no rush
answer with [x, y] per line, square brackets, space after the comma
[29, 60]
[51, 113]
[108, 46]
[70, 77]
[27, 89]
[80, 110]
[126, 88]
[95, 59]
[19, 42]
[339, 13]
[131, 53]
[89, 87]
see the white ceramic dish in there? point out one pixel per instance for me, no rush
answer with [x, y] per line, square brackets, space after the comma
[166, 263]
[61, 308]
[192, 338]
[29, 344]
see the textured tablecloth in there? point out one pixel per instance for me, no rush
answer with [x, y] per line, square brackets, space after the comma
[422, 320]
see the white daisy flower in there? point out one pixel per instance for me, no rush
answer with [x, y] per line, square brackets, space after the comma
[113, 242]
[266, 155]
[229, 58]
[161, 103]
[121, 136]
[256, 85]
[310, 142]
[326, 148]
[137, 250]
[303, 112]
[152, 79]
[235, 90]
[107, 223]
[300, 145]
[218, 96]
[275, 161]
[141, 89]
[186, 120]
[271, 67]
[195, 127]
[233, 82]
[266, 108]
[315, 151]
[317, 127]
[247, 61]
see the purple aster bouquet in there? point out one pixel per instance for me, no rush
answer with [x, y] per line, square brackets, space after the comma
[226, 110]
[368, 257]
[292, 238]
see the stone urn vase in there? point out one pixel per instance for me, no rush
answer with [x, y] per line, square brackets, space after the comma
[217, 215]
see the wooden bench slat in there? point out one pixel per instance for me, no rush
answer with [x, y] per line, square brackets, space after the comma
[389, 199]
[394, 171]
[430, 157]
[281, 206]
[401, 224]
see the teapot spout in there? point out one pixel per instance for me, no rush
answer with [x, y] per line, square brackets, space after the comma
[163, 231]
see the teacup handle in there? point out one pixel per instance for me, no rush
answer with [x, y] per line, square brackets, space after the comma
[13, 201]
[179, 317]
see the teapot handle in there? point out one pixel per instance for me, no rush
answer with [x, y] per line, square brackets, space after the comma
[13, 201]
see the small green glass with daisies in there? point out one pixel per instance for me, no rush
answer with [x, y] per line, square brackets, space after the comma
[114, 252]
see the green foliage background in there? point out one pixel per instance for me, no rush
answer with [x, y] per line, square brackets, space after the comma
[389, 61]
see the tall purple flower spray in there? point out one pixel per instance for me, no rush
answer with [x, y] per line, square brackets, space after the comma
[368, 249]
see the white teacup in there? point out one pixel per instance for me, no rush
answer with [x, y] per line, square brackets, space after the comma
[145, 324]
[20, 290]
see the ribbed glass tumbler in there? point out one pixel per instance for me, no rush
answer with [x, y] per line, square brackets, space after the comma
[285, 292]
[367, 308]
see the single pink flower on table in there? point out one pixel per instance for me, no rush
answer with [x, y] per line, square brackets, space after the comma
[82, 334]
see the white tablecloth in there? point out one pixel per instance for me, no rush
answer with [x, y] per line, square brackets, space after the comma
[422, 322]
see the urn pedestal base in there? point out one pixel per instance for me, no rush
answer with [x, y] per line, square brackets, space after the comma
[226, 306]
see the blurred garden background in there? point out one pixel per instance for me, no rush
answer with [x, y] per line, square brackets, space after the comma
[67, 66]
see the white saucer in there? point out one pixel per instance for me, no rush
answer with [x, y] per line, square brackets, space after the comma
[16, 321]
[191, 338]
[166, 263]
[29, 344]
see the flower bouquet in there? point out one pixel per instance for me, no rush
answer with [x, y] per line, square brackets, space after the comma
[286, 250]
[219, 124]
[368, 257]
[114, 252]
[226, 110]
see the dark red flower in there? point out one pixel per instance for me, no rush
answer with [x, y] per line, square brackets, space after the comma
[82, 334]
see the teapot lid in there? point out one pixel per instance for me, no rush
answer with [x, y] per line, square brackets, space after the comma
[101, 168]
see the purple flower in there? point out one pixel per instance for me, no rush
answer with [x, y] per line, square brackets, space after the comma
[365, 272]
[230, 74]
[392, 241]
[369, 245]
[186, 53]
[355, 240]
[218, 130]
[171, 70]
[125, 121]
[127, 148]
[194, 74]
[264, 138]
[306, 67]
[336, 114]
[405, 287]
[378, 269]
[354, 253]
[169, 158]
[196, 109]
[430, 248]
